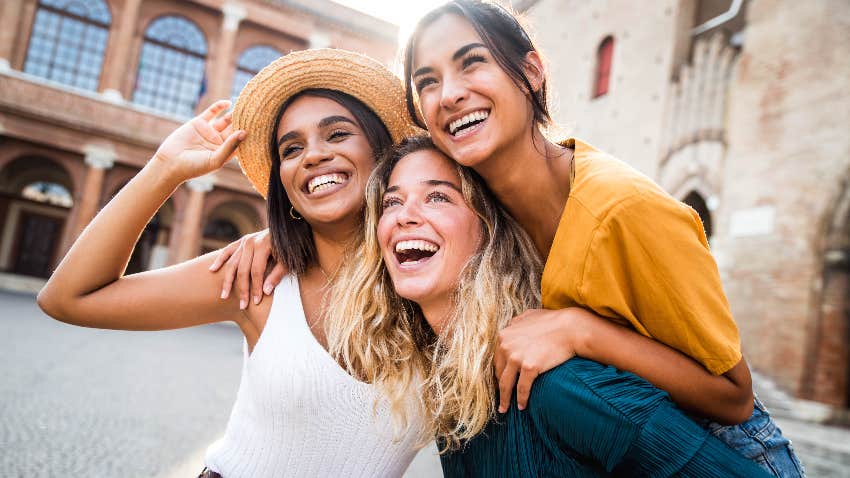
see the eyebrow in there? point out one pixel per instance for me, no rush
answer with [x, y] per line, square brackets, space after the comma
[430, 182]
[325, 122]
[459, 53]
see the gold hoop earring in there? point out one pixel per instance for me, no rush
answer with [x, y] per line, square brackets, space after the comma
[293, 212]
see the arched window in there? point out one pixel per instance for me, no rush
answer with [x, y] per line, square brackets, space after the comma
[68, 40]
[603, 66]
[251, 61]
[695, 200]
[47, 192]
[171, 68]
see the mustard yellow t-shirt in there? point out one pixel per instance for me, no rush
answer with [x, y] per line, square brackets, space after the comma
[630, 252]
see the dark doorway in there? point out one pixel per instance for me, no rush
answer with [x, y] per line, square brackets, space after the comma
[36, 244]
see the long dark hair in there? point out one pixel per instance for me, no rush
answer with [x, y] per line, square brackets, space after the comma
[503, 35]
[292, 239]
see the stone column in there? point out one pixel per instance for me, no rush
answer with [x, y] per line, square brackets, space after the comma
[115, 64]
[97, 160]
[10, 17]
[188, 244]
[220, 72]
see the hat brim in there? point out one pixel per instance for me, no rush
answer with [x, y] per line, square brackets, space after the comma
[348, 72]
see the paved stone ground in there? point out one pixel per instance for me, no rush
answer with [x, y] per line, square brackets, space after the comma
[96, 403]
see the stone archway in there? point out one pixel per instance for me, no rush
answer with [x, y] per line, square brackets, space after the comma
[226, 223]
[696, 201]
[829, 371]
[36, 197]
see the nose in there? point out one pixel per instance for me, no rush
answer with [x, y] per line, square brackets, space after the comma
[317, 153]
[454, 91]
[409, 214]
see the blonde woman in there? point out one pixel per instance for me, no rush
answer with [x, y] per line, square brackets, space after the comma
[442, 269]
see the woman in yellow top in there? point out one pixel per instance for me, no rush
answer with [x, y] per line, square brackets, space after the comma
[614, 242]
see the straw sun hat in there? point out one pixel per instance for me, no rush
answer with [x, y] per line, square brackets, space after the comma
[259, 103]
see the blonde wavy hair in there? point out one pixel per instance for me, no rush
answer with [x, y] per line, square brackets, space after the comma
[383, 339]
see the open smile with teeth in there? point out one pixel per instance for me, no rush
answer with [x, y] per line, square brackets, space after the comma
[467, 121]
[414, 252]
[325, 181]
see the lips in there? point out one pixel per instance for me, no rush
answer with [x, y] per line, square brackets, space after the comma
[324, 182]
[416, 251]
[467, 122]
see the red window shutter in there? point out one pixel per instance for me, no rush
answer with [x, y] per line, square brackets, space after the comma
[603, 66]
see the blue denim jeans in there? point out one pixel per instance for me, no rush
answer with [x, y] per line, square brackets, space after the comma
[760, 440]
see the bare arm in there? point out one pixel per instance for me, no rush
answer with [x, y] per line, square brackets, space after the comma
[539, 340]
[88, 289]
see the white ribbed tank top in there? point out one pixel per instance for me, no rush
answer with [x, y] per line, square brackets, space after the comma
[298, 413]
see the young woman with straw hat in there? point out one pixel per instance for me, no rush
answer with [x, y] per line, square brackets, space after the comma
[310, 126]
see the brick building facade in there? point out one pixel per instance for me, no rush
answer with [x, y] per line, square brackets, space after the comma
[88, 89]
[745, 118]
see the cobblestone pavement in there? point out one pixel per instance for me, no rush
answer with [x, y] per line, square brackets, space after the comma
[96, 403]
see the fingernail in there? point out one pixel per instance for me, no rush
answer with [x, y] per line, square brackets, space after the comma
[223, 293]
[212, 266]
[501, 410]
[521, 407]
[243, 304]
[242, 135]
[267, 289]
[256, 299]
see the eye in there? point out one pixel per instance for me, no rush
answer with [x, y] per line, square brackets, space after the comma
[437, 196]
[472, 59]
[338, 135]
[289, 150]
[390, 201]
[424, 82]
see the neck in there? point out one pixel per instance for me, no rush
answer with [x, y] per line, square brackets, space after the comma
[436, 313]
[331, 243]
[528, 179]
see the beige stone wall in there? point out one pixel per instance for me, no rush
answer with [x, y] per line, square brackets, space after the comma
[627, 121]
[789, 154]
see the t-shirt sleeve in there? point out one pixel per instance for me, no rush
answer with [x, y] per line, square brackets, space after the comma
[649, 263]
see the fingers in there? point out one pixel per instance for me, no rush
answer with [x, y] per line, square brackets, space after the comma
[506, 384]
[243, 274]
[227, 149]
[225, 121]
[274, 278]
[214, 110]
[258, 270]
[527, 374]
[230, 273]
[223, 255]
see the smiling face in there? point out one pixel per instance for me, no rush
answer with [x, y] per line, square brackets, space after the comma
[472, 107]
[426, 231]
[325, 161]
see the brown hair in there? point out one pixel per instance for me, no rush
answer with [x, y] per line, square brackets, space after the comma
[504, 36]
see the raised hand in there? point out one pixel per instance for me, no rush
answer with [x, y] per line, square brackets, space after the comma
[201, 145]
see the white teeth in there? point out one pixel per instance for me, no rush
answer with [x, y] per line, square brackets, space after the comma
[474, 116]
[418, 245]
[325, 181]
